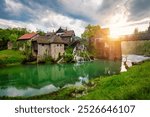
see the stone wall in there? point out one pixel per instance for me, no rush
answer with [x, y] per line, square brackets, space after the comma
[43, 51]
[56, 50]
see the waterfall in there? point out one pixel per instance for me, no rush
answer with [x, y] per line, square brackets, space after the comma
[77, 54]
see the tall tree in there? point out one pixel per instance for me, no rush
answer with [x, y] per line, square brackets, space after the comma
[13, 37]
[91, 31]
[10, 34]
[136, 31]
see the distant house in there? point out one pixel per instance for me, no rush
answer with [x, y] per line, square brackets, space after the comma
[66, 35]
[25, 40]
[48, 46]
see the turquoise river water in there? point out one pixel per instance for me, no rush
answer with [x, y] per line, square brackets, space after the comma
[30, 80]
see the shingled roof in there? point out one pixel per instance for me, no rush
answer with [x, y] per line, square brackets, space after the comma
[60, 30]
[48, 40]
[27, 36]
[68, 33]
[56, 39]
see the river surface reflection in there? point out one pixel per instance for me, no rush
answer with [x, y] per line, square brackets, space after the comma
[30, 80]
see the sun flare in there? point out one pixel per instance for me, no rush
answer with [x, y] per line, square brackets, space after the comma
[118, 22]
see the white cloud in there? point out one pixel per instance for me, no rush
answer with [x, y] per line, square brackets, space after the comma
[87, 8]
[13, 6]
[53, 20]
[42, 18]
[10, 23]
[17, 24]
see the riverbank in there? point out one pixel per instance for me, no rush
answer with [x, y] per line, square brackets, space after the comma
[130, 85]
[11, 57]
[136, 47]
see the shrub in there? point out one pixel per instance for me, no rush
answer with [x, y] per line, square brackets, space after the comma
[68, 58]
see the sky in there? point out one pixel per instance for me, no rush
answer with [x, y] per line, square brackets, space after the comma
[121, 16]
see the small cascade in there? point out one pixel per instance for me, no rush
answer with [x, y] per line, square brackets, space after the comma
[77, 55]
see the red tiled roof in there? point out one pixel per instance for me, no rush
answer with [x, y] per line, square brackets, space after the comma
[27, 36]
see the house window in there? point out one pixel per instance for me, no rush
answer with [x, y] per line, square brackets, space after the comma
[57, 45]
[42, 44]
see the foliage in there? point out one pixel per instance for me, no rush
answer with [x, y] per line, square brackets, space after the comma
[136, 47]
[13, 37]
[10, 34]
[68, 58]
[28, 51]
[69, 50]
[49, 59]
[85, 54]
[40, 32]
[91, 31]
[11, 56]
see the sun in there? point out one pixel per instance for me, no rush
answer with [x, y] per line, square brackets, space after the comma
[117, 23]
[114, 33]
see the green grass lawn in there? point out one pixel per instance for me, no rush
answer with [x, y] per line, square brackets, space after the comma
[131, 85]
[11, 56]
[134, 84]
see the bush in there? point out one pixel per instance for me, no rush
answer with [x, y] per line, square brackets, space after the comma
[68, 58]
[49, 59]
[69, 50]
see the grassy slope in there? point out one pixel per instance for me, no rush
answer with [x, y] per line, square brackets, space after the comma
[11, 56]
[134, 84]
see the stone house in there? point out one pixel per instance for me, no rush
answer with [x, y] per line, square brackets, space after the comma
[24, 42]
[52, 44]
[66, 35]
[48, 46]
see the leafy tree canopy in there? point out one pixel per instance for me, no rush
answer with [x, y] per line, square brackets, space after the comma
[11, 34]
[91, 31]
